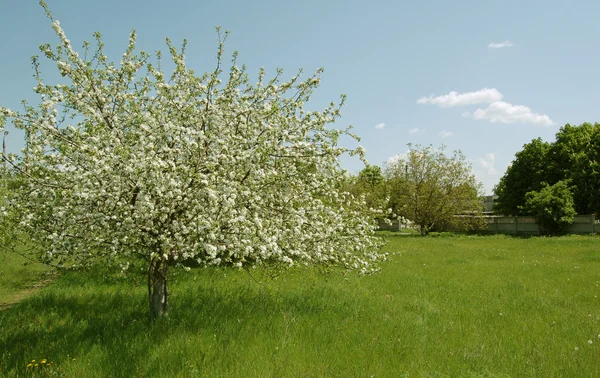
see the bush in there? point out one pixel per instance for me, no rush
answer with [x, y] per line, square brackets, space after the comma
[553, 206]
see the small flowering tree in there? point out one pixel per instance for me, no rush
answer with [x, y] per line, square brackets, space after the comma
[124, 162]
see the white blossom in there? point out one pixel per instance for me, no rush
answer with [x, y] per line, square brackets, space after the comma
[164, 166]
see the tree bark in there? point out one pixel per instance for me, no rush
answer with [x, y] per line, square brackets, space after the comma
[4, 158]
[158, 294]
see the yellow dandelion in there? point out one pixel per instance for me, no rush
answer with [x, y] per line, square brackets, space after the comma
[43, 361]
[32, 360]
[36, 365]
[29, 365]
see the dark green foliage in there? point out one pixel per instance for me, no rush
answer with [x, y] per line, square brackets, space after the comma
[574, 156]
[525, 174]
[553, 206]
[371, 176]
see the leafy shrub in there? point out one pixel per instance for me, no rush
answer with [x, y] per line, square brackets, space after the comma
[553, 206]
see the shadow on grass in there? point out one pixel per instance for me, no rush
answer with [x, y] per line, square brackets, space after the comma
[80, 316]
[57, 326]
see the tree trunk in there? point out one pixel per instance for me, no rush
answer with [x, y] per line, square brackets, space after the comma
[157, 288]
[4, 159]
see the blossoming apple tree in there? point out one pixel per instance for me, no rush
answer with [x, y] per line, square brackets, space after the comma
[127, 162]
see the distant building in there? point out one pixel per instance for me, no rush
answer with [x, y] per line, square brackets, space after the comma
[488, 204]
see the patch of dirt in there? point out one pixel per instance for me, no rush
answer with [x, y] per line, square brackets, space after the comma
[26, 293]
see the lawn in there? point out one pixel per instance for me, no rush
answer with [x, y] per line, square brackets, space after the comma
[20, 277]
[468, 306]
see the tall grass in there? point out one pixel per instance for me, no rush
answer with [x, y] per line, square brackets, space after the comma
[448, 306]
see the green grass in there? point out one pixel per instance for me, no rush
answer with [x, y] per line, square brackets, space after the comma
[19, 277]
[441, 307]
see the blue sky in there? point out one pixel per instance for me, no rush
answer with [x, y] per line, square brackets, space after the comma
[484, 77]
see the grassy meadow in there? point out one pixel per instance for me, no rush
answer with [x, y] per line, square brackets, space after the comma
[466, 306]
[20, 278]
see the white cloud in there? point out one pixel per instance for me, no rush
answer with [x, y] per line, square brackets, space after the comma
[445, 134]
[487, 163]
[497, 111]
[380, 126]
[415, 130]
[392, 160]
[483, 96]
[396, 158]
[484, 168]
[507, 113]
[499, 45]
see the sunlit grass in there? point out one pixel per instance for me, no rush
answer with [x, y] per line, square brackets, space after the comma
[19, 277]
[445, 306]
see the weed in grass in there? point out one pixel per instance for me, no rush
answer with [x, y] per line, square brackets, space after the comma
[41, 368]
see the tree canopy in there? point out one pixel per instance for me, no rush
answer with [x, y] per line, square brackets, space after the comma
[372, 185]
[525, 174]
[573, 156]
[125, 162]
[430, 189]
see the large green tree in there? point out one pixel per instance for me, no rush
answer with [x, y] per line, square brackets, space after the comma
[526, 173]
[124, 162]
[430, 189]
[573, 156]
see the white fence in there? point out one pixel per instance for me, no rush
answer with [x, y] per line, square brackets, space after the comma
[582, 224]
